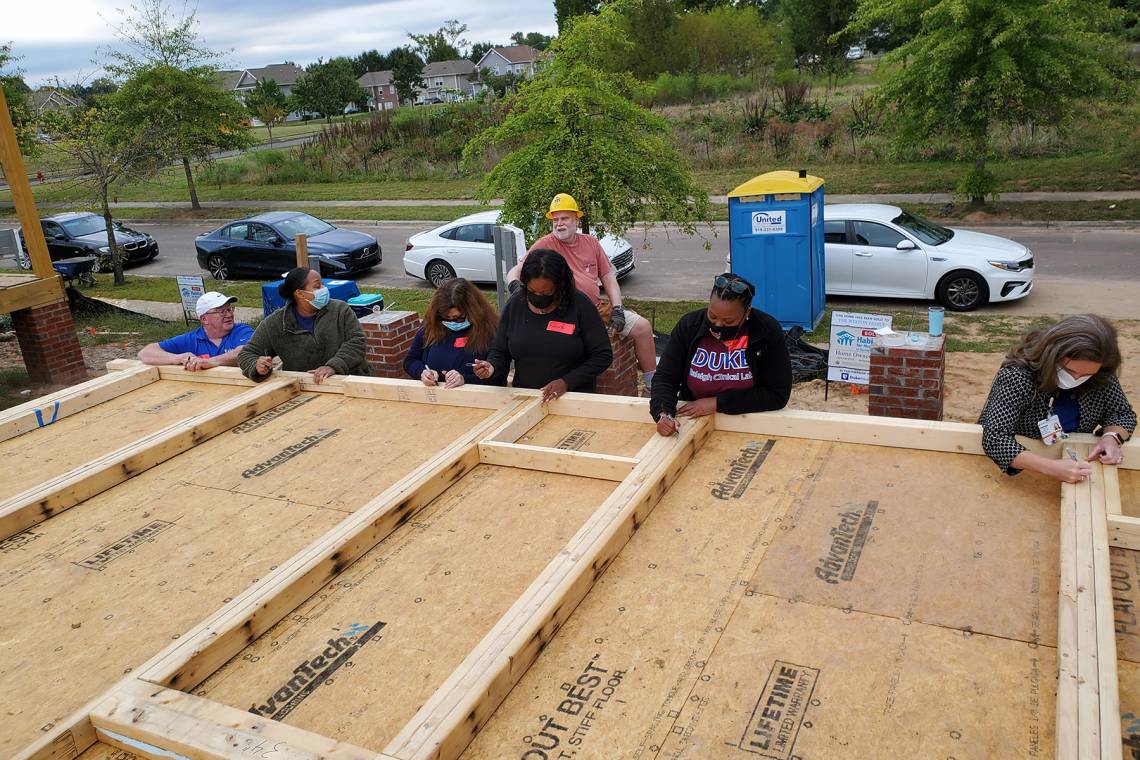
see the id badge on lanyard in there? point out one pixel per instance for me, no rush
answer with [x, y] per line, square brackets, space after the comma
[1051, 428]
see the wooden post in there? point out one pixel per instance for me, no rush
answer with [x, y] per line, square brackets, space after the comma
[13, 165]
[302, 250]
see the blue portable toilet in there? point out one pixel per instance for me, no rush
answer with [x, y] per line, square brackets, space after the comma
[775, 227]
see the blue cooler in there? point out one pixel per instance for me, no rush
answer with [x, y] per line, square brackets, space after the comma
[367, 303]
[341, 290]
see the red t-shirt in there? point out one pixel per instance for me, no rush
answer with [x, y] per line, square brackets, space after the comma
[719, 366]
[586, 258]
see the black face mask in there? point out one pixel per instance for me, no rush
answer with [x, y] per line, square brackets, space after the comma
[725, 332]
[539, 301]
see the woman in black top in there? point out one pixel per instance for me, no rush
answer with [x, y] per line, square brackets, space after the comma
[728, 358]
[1058, 378]
[551, 332]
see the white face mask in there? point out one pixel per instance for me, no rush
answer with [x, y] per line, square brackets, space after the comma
[1066, 381]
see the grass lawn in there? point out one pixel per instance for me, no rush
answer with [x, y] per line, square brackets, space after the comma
[964, 332]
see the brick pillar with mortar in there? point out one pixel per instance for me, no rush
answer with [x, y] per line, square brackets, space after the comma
[908, 381]
[621, 378]
[49, 344]
[388, 336]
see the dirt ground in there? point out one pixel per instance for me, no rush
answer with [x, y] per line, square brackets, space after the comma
[968, 377]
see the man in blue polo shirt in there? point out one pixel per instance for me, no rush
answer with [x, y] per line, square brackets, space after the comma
[216, 343]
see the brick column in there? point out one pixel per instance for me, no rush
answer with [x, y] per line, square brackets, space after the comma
[388, 336]
[621, 377]
[907, 381]
[48, 342]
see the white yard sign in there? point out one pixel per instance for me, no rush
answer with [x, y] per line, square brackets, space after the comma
[769, 222]
[852, 335]
[190, 288]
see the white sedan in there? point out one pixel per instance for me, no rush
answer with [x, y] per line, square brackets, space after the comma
[883, 251]
[465, 248]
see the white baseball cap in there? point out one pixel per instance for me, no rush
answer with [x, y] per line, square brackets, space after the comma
[212, 300]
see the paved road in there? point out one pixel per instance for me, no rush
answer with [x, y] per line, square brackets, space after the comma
[1079, 269]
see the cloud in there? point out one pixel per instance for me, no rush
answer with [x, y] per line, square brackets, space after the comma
[60, 37]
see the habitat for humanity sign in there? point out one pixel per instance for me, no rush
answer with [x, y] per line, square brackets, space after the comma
[769, 222]
[190, 288]
[852, 335]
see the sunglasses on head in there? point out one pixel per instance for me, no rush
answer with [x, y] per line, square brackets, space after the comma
[445, 318]
[739, 287]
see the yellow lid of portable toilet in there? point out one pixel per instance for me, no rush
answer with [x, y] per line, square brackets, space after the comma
[777, 182]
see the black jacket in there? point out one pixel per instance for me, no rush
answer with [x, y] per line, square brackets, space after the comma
[767, 357]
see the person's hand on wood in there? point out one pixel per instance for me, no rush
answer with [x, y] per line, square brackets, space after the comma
[667, 425]
[452, 379]
[553, 390]
[264, 365]
[702, 407]
[322, 373]
[1107, 450]
[196, 363]
[428, 376]
[483, 369]
[1070, 471]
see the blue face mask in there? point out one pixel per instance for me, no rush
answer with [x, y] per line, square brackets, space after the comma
[457, 326]
[321, 297]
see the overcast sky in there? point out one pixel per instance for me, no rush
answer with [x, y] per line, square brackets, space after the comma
[62, 37]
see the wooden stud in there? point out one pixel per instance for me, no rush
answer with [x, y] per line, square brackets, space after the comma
[617, 408]
[224, 634]
[302, 243]
[453, 715]
[28, 295]
[13, 164]
[56, 406]
[158, 721]
[1112, 504]
[233, 376]
[1108, 690]
[531, 413]
[64, 491]
[1067, 724]
[387, 389]
[581, 463]
[1124, 531]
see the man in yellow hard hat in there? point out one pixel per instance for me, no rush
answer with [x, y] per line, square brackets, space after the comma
[589, 263]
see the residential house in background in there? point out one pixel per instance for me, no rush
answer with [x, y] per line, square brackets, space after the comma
[381, 89]
[448, 81]
[516, 59]
[242, 81]
[44, 100]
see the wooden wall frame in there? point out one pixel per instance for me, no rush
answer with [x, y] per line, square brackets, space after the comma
[151, 714]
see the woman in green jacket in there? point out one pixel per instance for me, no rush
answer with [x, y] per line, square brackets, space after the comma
[310, 333]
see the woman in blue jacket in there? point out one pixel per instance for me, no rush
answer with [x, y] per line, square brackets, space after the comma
[459, 324]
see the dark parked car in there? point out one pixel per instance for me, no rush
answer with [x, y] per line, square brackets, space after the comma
[261, 246]
[85, 234]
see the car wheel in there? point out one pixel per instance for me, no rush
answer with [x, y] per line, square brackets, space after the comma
[438, 272]
[963, 291]
[24, 261]
[217, 267]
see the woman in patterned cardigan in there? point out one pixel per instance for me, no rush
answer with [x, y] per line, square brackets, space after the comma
[1067, 370]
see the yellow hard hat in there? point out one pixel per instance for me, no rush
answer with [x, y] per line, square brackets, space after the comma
[563, 202]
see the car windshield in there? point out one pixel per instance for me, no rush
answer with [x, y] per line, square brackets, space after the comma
[924, 229]
[84, 225]
[303, 224]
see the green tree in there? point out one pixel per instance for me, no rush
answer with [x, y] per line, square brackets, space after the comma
[150, 32]
[573, 128]
[478, 50]
[369, 60]
[564, 10]
[106, 150]
[726, 39]
[197, 116]
[268, 105]
[444, 44]
[815, 27]
[327, 88]
[977, 64]
[407, 69]
[536, 40]
[16, 93]
[500, 84]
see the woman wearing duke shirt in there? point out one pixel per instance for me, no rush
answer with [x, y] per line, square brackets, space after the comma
[728, 358]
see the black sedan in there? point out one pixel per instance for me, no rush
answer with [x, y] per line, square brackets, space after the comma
[85, 234]
[262, 247]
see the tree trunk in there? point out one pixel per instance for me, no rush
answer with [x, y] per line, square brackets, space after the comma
[116, 253]
[190, 184]
[269, 129]
[979, 166]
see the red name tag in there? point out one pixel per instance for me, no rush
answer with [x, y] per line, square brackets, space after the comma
[461, 342]
[561, 327]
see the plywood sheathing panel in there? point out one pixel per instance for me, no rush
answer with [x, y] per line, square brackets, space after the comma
[189, 544]
[38, 456]
[410, 609]
[343, 451]
[592, 435]
[1129, 673]
[927, 537]
[658, 611]
[813, 681]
